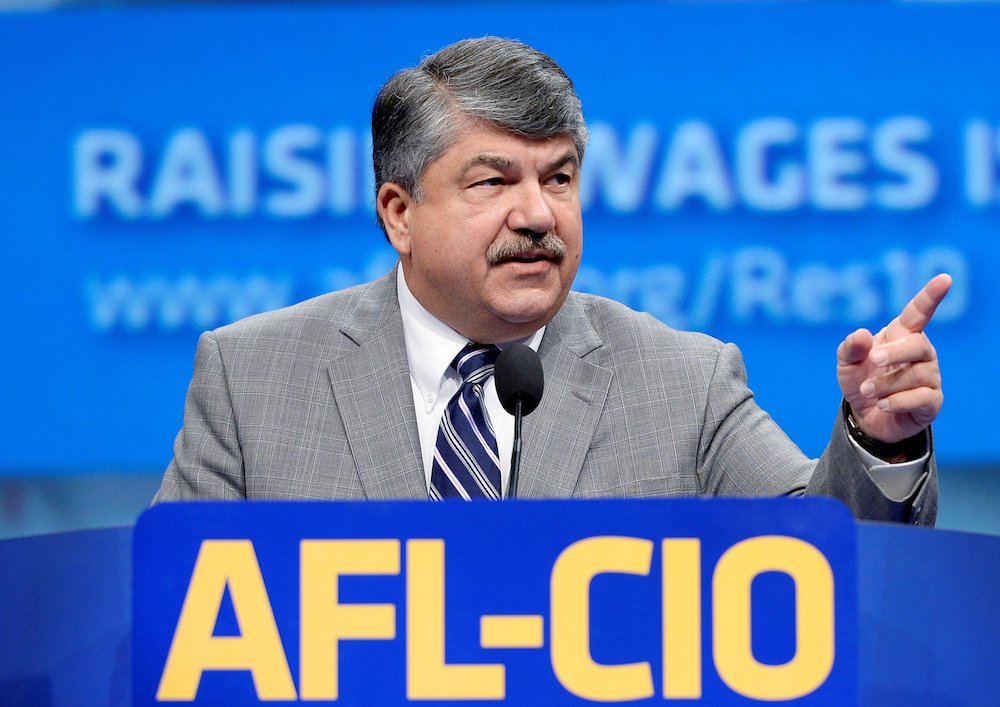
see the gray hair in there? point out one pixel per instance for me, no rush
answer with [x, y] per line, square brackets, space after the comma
[500, 81]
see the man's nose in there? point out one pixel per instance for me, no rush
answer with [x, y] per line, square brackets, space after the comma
[531, 210]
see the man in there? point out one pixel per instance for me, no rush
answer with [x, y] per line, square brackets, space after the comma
[477, 156]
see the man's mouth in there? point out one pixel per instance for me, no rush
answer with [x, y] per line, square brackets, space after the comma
[529, 257]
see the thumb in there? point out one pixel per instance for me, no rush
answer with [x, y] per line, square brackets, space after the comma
[855, 348]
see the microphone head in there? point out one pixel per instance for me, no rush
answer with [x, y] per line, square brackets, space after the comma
[519, 374]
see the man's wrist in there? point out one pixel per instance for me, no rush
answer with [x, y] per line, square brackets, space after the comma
[893, 452]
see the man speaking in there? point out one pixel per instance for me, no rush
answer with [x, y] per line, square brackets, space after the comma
[386, 390]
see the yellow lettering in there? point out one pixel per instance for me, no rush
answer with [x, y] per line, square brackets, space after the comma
[682, 618]
[325, 621]
[511, 631]
[258, 647]
[814, 614]
[572, 660]
[428, 676]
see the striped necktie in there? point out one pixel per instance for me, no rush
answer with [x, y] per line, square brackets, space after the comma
[466, 463]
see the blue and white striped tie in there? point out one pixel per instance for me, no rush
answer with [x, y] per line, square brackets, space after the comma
[466, 463]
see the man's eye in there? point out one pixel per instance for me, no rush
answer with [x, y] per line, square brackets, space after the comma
[561, 178]
[491, 182]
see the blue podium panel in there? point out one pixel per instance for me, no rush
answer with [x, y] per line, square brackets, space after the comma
[542, 603]
[929, 614]
[65, 620]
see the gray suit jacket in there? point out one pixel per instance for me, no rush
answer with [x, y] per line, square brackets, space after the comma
[315, 402]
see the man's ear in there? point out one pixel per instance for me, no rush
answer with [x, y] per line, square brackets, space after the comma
[394, 205]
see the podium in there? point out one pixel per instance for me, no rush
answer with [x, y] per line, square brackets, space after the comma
[533, 602]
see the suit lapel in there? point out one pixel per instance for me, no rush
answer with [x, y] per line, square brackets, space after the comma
[371, 383]
[558, 434]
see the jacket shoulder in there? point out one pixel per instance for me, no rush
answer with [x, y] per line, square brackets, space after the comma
[320, 321]
[622, 329]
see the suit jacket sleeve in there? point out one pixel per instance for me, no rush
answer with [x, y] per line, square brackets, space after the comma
[744, 451]
[208, 461]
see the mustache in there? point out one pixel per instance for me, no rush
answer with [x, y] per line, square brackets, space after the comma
[520, 244]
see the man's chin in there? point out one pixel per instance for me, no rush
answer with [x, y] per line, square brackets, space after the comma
[536, 311]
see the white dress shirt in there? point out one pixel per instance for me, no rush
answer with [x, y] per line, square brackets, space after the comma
[431, 346]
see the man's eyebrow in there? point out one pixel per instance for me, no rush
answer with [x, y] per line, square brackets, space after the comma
[568, 158]
[501, 164]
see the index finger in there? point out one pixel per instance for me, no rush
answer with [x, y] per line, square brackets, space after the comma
[919, 310]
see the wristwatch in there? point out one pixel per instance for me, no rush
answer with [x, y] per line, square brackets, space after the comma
[909, 448]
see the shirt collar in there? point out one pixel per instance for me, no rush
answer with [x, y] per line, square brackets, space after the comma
[431, 345]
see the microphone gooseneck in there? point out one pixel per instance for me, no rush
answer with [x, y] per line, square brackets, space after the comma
[520, 382]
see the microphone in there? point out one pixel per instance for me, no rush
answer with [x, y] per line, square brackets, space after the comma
[520, 381]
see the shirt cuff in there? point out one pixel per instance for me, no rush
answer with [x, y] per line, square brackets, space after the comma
[896, 481]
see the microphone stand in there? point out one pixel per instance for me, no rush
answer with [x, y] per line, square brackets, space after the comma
[515, 458]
